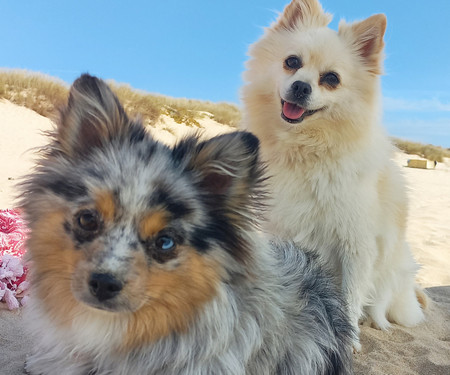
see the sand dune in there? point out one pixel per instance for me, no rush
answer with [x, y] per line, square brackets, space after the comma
[423, 350]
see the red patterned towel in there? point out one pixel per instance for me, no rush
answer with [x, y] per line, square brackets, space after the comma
[12, 248]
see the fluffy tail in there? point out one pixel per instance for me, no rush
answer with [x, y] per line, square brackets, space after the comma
[422, 297]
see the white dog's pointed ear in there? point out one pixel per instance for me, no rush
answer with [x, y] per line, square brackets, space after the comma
[366, 39]
[92, 116]
[303, 14]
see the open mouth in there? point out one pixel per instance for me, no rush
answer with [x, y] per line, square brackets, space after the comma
[294, 113]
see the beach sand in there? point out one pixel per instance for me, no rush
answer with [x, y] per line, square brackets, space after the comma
[422, 350]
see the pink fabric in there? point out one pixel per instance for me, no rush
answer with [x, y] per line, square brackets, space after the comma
[13, 272]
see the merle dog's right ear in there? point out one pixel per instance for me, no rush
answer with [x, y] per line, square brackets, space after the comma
[92, 116]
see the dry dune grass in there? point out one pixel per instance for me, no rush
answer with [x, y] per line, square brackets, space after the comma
[430, 152]
[185, 111]
[43, 94]
[35, 91]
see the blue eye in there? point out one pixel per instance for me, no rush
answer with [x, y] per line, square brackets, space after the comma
[165, 243]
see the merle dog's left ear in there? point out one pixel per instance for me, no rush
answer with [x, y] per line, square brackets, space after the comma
[226, 165]
[92, 116]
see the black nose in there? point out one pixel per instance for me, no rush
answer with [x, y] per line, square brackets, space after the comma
[301, 90]
[104, 286]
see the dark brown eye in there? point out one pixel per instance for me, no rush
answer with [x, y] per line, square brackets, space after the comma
[88, 220]
[330, 79]
[293, 62]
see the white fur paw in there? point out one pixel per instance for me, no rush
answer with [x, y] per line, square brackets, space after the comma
[380, 322]
[406, 310]
[357, 347]
[410, 319]
[28, 371]
[355, 341]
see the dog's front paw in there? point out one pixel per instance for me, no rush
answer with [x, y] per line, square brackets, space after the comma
[357, 347]
[355, 340]
[28, 371]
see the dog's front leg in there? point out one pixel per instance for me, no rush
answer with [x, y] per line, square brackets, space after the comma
[357, 265]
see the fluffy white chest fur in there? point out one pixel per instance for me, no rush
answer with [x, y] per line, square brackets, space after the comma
[339, 204]
[317, 202]
[352, 210]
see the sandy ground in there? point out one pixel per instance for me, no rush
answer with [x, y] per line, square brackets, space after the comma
[423, 350]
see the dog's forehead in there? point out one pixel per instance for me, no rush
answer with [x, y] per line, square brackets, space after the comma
[318, 47]
[137, 183]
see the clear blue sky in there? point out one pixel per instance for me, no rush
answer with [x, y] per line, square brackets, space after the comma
[196, 49]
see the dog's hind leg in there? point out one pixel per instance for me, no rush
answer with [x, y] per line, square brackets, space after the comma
[406, 305]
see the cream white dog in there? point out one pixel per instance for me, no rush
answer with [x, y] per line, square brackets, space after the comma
[312, 96]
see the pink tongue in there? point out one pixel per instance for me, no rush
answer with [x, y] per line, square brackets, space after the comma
[292, 111]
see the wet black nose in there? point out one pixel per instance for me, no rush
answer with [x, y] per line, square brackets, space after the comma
[301, 90]
[104, 286]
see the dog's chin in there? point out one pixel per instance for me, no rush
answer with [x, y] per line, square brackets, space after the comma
[114, 305]
[295, 114]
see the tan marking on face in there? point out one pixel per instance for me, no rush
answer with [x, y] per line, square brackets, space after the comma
[53, 262]
[55, 265]
[153, 223]
[173, 298]
[104, 203]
